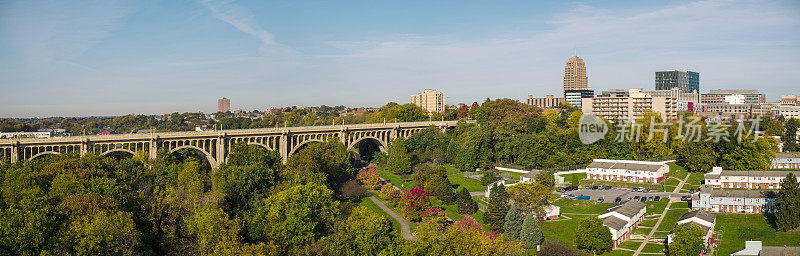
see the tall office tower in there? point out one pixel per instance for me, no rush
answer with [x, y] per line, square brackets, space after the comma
[430, 100]
[224, 105]
[575, 74]
[687, 81]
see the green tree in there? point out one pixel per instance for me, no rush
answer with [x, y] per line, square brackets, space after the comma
[330, 159]
[513, 223]
[294, 217]
[102, 233]
[687, 240]
[215, 234]
[399, 162]
[244, 184]
[465, 203]
[788, 214]
[448, 197]
[531, 197]
[498, 208]
[546, 178]
[363, 233]
[531, 236]
[592, 236]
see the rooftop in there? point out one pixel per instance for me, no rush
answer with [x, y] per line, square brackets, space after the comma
[743, 193]
[700, 214]
[626, 165]
[629, 208]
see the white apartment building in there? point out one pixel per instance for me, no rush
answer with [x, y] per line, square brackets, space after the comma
[742, 201]
[430, 100]
[627, 170]
[786, 161]
[622, 219]
[629, 105]
[719, 178]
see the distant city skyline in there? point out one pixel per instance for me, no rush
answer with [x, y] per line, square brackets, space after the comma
[82, 58]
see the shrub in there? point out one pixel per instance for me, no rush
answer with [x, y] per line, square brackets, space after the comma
[465, 203]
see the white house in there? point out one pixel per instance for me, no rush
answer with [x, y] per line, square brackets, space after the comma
[622, 219]
[703, 219]
[719, 178]
[627, 170]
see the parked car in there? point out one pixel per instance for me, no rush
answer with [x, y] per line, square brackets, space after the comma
[561, 190]
[657, 198]
[643, 199]
[685, 198]
[600, 200]
[650, 199]
[582, 197]
[636, 198]
[619, 199]
[593, 187]
[645, 190]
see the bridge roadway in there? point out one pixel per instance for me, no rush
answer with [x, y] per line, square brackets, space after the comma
[215, 145]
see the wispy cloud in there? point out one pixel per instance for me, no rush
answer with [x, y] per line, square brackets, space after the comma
[239, 17]
[47, 32]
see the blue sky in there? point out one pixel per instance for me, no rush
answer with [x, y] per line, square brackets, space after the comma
[80, 58]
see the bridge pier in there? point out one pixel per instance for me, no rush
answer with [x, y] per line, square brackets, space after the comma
[284, 146]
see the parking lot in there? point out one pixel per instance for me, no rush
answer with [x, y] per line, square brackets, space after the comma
[609, 195]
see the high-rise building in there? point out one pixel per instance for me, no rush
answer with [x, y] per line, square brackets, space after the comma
[736, 96]
[223, 105]
[576, 96]
[430, 100]
[547, 102]
[630, 104]
[687, 81]
[575, 74]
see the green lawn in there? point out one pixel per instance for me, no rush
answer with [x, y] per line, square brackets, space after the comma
[630, 245]
[568, 177]
[618, 253]
[365, 202]
[513, 177]
[563, 229]
[653, 248]
[671, 218]
[656, 207]
[472, 185]
[735, 228]
[582, 206]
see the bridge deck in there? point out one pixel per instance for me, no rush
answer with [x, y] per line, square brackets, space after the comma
[234, 132]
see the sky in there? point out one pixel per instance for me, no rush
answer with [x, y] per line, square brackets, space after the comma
[116, 57]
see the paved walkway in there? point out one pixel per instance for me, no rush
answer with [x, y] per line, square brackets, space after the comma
[405, 228]
[671, 200]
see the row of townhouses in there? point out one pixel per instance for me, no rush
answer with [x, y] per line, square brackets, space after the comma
[703, 219]
[733, 200]
[786, 161]
[627, 170]
[719, 178]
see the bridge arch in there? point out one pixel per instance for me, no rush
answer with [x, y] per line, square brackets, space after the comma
[260, 145]
[383, 146]
[298, 146]
[209, 157]
[118, 150]
[44, 153]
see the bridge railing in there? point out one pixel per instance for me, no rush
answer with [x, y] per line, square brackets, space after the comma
[183, 133]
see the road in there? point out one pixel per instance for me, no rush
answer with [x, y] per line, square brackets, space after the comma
[405, 228]
[671, 200]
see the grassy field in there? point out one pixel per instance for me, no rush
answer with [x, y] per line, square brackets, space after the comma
[562, 229]
[671, 218]
[734, 229]
[656, 207]
[365, 202]
[512, 177]
[630, 245]
[568, 177]
[581, 206]
[693, 181]
[652, 248]
[618, 253]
